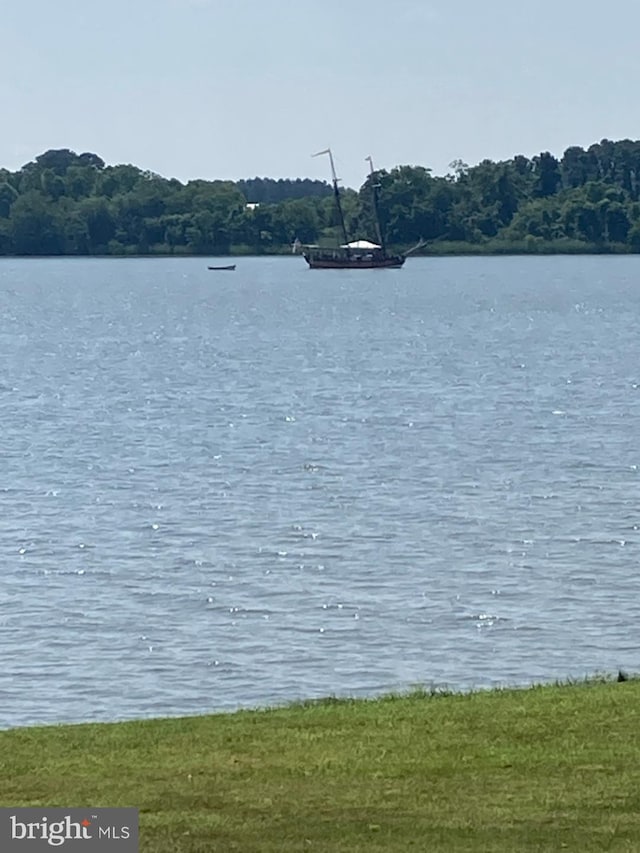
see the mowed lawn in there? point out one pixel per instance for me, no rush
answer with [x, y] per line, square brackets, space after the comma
[547, 768]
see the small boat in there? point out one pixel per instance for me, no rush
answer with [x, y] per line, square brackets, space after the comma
[229, 267]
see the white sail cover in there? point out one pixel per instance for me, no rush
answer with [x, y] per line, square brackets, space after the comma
[360, 244]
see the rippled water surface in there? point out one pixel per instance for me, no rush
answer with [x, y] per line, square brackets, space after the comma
[233, 489]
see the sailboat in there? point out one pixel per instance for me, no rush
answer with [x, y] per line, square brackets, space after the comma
[354, 254]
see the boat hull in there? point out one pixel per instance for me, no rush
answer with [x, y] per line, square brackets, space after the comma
[333, 263]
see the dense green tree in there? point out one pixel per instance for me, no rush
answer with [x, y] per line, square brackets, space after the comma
[578, 167]
[116, 180]
[616, 223]
[634, 237]
[548, 178]
[35, 227]
[99, 222]
[57, 160]
[295, 218]
[8, 195]
[63, 202]
[540, 218]
[412, 205]
[6, 242]
[269, 191]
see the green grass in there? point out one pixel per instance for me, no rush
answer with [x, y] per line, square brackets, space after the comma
[546, 768]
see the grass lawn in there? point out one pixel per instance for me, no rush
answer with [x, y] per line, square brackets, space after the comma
[547, 768]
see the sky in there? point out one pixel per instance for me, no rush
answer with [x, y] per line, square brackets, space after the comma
[231, 89]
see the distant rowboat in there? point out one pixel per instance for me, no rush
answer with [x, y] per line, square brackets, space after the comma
[230, 267]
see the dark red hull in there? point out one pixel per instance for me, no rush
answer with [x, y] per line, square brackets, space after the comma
[330, 262]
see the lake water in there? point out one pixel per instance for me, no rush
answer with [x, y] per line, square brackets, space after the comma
[229, 489]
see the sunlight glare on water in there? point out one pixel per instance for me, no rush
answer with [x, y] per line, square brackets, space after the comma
[233, 489]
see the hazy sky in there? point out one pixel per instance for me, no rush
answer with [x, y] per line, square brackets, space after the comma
[239, 88]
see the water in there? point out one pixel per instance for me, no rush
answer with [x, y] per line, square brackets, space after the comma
[223, 490]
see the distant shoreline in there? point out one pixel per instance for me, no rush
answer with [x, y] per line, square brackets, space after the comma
[433, 251]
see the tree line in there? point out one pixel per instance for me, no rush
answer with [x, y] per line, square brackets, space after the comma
[64, 203]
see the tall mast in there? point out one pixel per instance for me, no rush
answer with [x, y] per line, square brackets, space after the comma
[375, 186]
[336, 192]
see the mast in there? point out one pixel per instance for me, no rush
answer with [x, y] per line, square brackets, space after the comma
[375, 186]
[336, 192]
